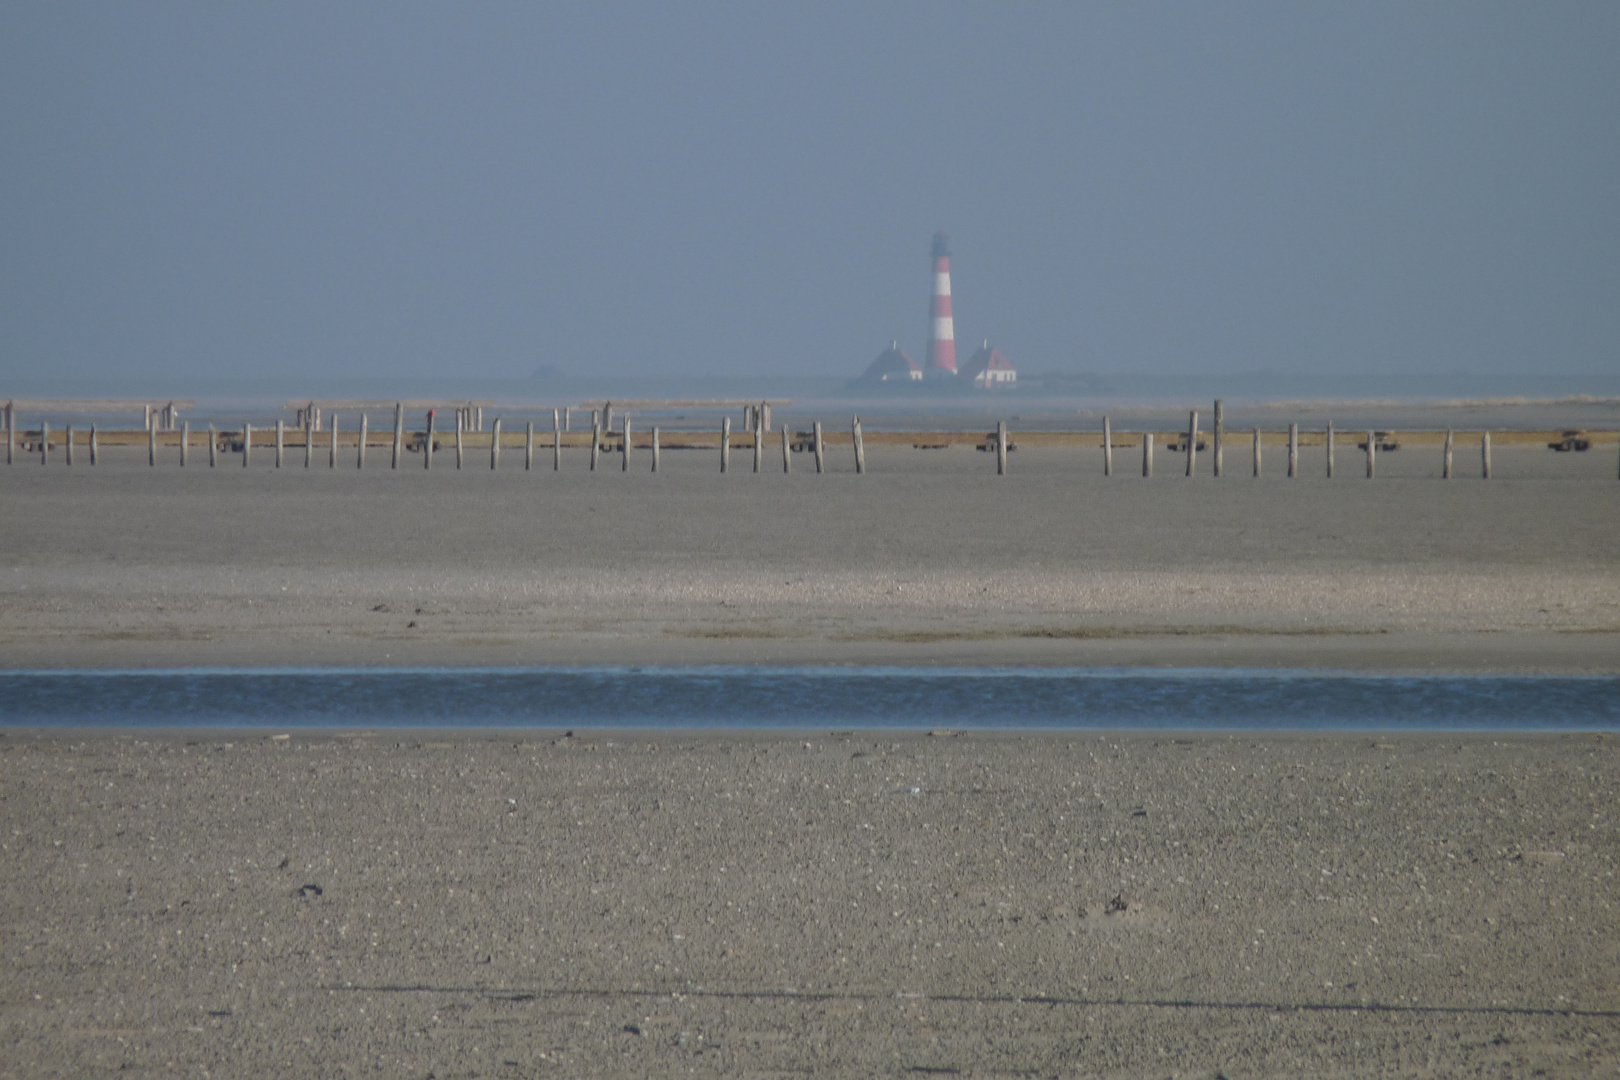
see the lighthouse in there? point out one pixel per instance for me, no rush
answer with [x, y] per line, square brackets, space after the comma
[941, 331]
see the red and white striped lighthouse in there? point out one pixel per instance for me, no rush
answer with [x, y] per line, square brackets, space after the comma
[941, 331]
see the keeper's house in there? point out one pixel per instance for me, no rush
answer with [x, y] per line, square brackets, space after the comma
[989, 368]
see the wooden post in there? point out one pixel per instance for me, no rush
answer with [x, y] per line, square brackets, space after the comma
[759, 440]
[1485, 455]
[247, 444]
[146, 416]
[1293, 450]
[69, 445]
[461, 425]
[1445, 465]
[399, 433]
[281, 435]
[568, 418]
[331, 454]
[11, 434]
[556, 442]
[185, 441]
[624, 451]
[213, 447]
[528, 446]
[427, 446]
[1108, 447]
[151, 445]
[821, 456]
[725, 444]
[1372, 454]
[766, 421]
[607, 417]
[860, 447]
[1330, 449]
[1220, 432]
[480, 426]
[1256, 452]
[1192, 441]
[365, 430]
[1147, 453]
[596, 436]
[495, 445]
[309, 442]
[655, 449]
[1001, 448]
[787, 451]
[44, 442]
[94, 449]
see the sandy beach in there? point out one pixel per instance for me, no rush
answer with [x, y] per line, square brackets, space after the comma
[824, 903]
[521, 904]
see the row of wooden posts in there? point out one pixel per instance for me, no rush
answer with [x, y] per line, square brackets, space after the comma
[759, 419]
[429, 443]
[1218, 448]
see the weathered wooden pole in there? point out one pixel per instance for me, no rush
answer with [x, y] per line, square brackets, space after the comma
[461, 426]
[247, 444]
[596, 436]
[317, 418]
[146, 416]
[765, 416]
[1192, 441]
[309, 440]
[725, 444]
[1372, 454]
[11, 434]
[331, 453]
[365, 430]
[1485, 455]
[821, 456]
[1445, 465]
[1330, 449]
[69, 445]
[399, 433]
[567, 418]
[655, 448]
[185, 441]
[1220, 432]
[495, 445]
[44, 442]
[1256, 452]
[556, 442]
[151, 445]
[860, 447]
[528, 446]
[1108, 448]
[1293, 450]
[480, 426]
[213, 447]
[787, 451]
[1001, 448]
[427, 445]
[624, 451]
[281, 436]
[1147, 453]
[95, 455]
[759, 440]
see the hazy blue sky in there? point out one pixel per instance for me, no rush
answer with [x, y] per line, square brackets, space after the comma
[631, 188]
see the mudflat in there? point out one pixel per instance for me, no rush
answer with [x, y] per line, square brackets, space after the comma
[927, 558]
[837, 904]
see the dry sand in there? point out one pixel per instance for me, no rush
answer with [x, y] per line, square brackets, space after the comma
[929, 558]
[513, 905]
